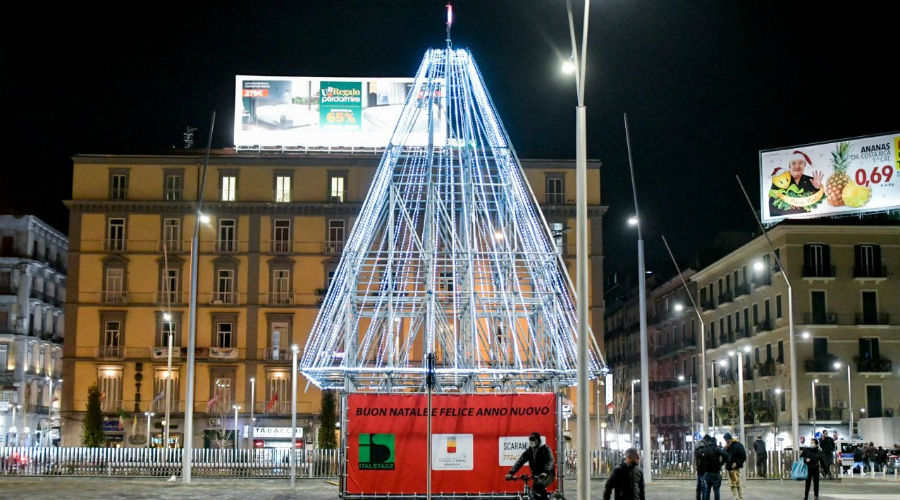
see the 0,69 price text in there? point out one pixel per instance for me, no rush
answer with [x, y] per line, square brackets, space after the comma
[876, 176]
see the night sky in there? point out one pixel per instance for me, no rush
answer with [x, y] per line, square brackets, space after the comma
[706, 85]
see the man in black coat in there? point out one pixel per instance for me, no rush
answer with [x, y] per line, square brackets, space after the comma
[826, 444]
[709, 458]
[759, 446]
[626, 478]
[737, 455]
[540, 461]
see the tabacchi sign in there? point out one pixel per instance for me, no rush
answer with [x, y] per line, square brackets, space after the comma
[286, 111]
[832, 178]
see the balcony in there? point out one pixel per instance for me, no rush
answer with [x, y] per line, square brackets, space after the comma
[114, 245]
[820, 318]
[281, 246]
[825, 414]
[6, 377]
[818, 271]
[173, 297]
[764, 326]
[223, 353]
[740, 290]
[821, 365]
[111, 352]
[277, 354]
[761, 281]
[767, 369]
[725, 298]
[114, 297]
[226, 246]
[223, 298]
[277, 407]
[159, 407]
[170, 245]
[874, 272]
[707, 305]
[281, 298]
[874, 365]
[334, 247]
[873, 319]
[163, 352]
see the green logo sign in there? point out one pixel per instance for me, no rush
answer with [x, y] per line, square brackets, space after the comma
[376, 452]
[340, 105]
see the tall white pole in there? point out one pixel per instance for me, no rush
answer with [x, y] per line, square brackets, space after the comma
[812, 389]
[740, 356]
[236, 438]
[294, 350]
[849, 402]
[581, 256]
[795, 412]
[631, 439]
[691, 388]
[149, 414]
[168, 394]
[187, 452]
[252, 405]
[712, 410]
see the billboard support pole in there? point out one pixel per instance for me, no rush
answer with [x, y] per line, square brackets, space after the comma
[795, 418]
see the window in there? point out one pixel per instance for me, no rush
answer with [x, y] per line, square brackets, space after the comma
[767, 310]
[224, 293]
[164, 328]
[819, 315]
[755, 314]
[227, 233]
[823, 397]
[816, 260]
[874, 404]
[173, 186]
[281, 236]
[778, 313]
[867, 262]
[114, 283]
[115, 234]
[112, 340]
[224, 334]
[783, 401]
[222, 395]
[118, 184]
[559, 239]
[279, 337]
[278, 393]
[283, 188]
[868, 350]
[870, 309]
[281, 286]
[228, 187]
[171, 234]
[337, 187]
[169, 291]
[556, 189]
[335, 242]
[109, 381]
[780, 358]
[159, 387]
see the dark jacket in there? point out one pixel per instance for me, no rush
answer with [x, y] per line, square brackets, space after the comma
[709, 457]
[826, 444]
[759, 446]
[737, 455]
[815, 459]
[627, 480]
[539, 459]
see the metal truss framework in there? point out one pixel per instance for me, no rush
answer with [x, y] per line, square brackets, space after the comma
[450, 255]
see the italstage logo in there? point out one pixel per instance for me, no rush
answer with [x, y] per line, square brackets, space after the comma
[376, 452]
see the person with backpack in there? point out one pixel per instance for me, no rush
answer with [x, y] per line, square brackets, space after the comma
[737, 455]
[827, 445]
[812, 457]
[709, 458]
[759, 446]
[626, 479]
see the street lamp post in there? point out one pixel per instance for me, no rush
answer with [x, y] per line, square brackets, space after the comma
[712, 410]
[294, 351]
[252, 405]
[795, 412]
[167, 317]
[740, 360]
[690, 401]
[584, 484]
[812, 389]
[631, 439]
[837, 366]
[236, 408]
[149, 415]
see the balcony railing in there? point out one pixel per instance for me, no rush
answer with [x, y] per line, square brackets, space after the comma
[281, 298]
[726, 297]
[821, 365]
[825, 413]
[226, 246]
[172, 297]
[334, 247]
[281, 246]
[875, 365]
[873, 319]
[767, 369]
[818, 272]
[740, 290]
[159, 407]
[277, 354]
[870, 272]
[761, 281]
[707, 304]
[111, 352]
[820, 318]
[115, 297]
[170, 245]
[114, 245]
[219, 298]
[6, 377]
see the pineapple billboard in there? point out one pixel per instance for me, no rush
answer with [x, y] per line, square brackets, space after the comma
[831, 178]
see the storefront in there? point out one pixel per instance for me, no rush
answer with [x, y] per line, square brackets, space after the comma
[276, 437]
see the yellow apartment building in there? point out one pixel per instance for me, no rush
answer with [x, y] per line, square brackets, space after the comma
[274, 235]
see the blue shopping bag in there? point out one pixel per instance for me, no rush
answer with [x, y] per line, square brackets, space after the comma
[798, 471]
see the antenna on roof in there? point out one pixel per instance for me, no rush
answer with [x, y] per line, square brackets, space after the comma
[449, 22]
[189, 137]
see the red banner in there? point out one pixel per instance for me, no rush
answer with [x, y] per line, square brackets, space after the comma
[475, 440]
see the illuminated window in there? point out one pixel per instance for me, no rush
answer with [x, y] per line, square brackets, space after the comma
[283, 188]
[109, 381]
[228, 188]
[337, 187]
[115, 234]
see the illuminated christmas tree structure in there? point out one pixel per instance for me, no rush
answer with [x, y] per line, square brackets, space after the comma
[450, 255]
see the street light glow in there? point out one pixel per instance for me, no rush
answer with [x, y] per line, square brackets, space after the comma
[837, 364]
[778, 390]
[723, 363]
[568, 67]
[681, 378]
[746, 348]
[204, 218]
[633, 220]
[679, 307]
[805, 334]
[167, 317]
[758, 266]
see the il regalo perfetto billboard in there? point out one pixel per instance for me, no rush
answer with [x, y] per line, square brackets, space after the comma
[832, 178]
[276, 111]
[475, 440]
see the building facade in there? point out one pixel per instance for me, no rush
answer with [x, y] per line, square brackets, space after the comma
[32, 323]
[846, 309]
[276, 227]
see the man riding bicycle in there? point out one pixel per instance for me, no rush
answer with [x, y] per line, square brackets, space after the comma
[540, 460]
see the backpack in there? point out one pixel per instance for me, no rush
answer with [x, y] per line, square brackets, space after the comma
[708, 459]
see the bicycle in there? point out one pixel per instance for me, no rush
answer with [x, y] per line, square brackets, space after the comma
[528, 494]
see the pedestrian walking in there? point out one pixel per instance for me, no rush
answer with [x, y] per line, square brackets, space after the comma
[871, 456]
[709, 458]
[826, 444]
[737, 455]
[812, 457]
[858, 463]
[759, 446]
[626, 479]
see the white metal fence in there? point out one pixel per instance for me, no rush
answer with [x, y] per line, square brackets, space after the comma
[142, 462]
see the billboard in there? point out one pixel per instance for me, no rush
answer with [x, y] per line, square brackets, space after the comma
[316, 112]
[487, 433]
[832, 178]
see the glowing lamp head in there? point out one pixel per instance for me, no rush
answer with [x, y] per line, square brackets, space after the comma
[805, 335]
[204, 218]
[679, 307]
[758, 266]
[633, 220]
[568, 67]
